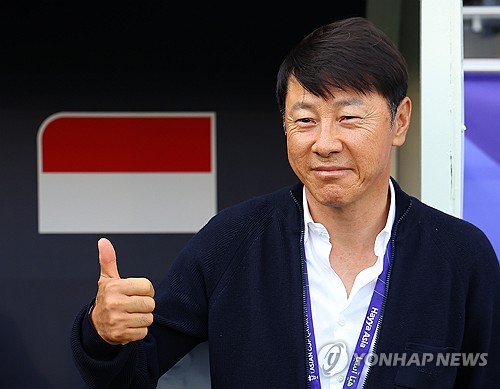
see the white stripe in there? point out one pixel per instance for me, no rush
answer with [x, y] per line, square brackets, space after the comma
[125, 202]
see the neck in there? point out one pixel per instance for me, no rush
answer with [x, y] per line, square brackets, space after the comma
[356, 225]
[353, 229]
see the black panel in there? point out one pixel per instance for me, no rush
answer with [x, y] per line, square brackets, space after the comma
[133, 56]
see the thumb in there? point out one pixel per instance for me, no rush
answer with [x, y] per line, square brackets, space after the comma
[107, 259]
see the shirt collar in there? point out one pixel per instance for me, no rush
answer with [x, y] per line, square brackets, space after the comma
[383, 236]
[308, 220]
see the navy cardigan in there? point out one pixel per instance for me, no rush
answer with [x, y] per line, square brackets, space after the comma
[239, 284]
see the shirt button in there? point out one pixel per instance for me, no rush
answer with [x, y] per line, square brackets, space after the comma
[340, 378]
[342, 322]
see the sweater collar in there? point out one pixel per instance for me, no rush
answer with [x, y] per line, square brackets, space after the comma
[382, 237]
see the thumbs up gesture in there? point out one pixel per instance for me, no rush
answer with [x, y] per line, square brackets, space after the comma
[123, 306]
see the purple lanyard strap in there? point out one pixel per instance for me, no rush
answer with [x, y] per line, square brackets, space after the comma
[366, 334]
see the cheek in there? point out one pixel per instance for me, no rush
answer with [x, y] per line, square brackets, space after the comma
[372, 155]
[373, 142]
[291, 155]
[297, 153]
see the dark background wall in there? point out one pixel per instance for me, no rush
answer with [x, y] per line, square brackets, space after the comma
[128, 56]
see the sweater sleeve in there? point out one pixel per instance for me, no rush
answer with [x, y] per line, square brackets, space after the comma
[135, 365]
[179, 324]
[180, 317]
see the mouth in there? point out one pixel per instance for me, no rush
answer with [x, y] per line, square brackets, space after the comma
[330, 171]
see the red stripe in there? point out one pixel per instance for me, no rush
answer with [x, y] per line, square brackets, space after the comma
[127, 144]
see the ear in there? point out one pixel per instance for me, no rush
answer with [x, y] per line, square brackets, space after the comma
[401, 122]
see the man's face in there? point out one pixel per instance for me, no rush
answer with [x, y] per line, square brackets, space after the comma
[340, 148]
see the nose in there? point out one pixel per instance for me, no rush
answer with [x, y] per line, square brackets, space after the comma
[327, 140]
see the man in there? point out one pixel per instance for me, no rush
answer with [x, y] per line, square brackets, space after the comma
[342, 280]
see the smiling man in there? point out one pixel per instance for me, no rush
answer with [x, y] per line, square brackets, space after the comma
[340, 149]
[340, 281]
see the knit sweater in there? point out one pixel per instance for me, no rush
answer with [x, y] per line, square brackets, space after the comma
[239, 283]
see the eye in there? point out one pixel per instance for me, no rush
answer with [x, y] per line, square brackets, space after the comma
[305, 122]
[349, 118]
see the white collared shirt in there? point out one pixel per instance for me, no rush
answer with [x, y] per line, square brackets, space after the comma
[337, 319]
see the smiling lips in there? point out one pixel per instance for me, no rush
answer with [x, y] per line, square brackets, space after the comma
[330, 171]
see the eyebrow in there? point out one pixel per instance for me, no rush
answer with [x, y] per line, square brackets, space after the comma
[300, 105]
[348, 101]
[344, 102]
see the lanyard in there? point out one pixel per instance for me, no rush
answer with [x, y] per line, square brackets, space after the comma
[366, 334]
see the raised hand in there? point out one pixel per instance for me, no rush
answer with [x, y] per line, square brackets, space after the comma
[123, 307]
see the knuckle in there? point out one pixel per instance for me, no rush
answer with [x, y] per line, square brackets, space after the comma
[110, 304]
[148, 304]
[143, 284]
[113, 286]
[143, 304]
[142, 333]
[148, 319]
[133, 334]
[113, 322]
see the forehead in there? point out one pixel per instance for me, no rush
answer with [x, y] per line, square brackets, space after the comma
[298, 97]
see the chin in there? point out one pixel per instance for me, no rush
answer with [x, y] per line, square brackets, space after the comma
[335, 203]
[333, 198]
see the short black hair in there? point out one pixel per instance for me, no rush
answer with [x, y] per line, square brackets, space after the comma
[348, 54]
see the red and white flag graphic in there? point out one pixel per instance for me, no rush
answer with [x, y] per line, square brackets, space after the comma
[126, 172]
